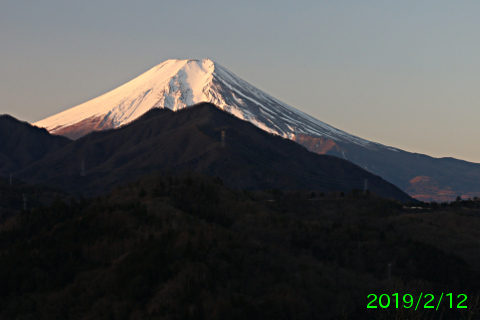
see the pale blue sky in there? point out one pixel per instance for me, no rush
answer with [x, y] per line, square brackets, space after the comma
[402, 73]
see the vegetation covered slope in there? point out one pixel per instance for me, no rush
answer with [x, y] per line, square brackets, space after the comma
[190, 140]
[187, 247]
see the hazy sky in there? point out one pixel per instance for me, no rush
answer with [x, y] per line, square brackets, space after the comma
[402, 73]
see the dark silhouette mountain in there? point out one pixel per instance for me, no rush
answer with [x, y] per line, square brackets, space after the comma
[190, 140]
[22, 144]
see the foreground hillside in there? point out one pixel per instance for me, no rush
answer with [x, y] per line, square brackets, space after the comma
[187, 247]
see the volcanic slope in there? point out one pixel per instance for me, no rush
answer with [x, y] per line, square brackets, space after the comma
[176, 84]
[190, 140]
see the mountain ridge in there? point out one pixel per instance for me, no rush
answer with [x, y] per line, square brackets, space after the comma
[176, 84]
[190, 140]
[22, 144]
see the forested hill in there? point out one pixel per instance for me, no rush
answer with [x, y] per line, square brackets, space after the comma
[191, 140]
[170, 247]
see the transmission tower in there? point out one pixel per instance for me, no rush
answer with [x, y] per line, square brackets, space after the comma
[223, 139]
[82, 168]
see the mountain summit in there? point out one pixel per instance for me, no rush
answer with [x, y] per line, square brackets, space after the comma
[176, 84]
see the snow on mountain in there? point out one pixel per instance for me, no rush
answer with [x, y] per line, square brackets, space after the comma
[176, 84]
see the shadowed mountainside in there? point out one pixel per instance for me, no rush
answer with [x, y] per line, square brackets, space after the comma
[22, 144]
[442, 179]
[190, 140]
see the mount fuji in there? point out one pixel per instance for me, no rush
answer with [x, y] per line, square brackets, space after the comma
[177, 84]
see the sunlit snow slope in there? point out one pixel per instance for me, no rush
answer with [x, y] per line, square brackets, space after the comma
[175, 84]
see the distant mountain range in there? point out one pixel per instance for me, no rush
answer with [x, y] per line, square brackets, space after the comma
[176, 84]
[201, 139]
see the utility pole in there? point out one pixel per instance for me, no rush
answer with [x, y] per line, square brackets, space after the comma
[365, 187]
[389, 272]
[223, 139]
[25, 199]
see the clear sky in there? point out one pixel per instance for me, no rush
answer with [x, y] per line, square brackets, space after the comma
[402, 73]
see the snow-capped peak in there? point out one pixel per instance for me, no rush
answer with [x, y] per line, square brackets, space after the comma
[176, 84]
